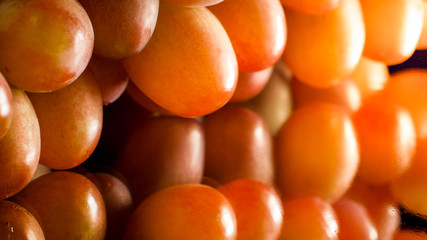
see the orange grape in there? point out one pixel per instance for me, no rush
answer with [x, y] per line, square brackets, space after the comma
[422, 42]
[393, 28]
[44, 44]
[70, 122]
[309, 218]
[410, 188]
[16, 223]
[258, 209]
[407, 89]
[67, 205]
[387, 140]
[323, 49]
[370, 76]
[353, 221]
[267, 22]
[380, 204]
[20, 147]
[183, 212]
[317, 153]
[189, 66]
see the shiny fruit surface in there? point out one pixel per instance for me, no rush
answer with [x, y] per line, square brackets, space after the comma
[317, 153]
[186, 69]
[20, 147]
[45, 62]
[183, 212]
[267, 22]
[370, 76]
[258, 209]
[339, 37]
[73, 115]
[67, 205]
[387, 140]
[396, 44]
[238, 145]
[118, 203]
[354, 221]
[5, 106]
[121, 28]
[16, 223]
[162, 152]
[309, 218]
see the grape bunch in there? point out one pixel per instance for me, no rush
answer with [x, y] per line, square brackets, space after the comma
[213, 119]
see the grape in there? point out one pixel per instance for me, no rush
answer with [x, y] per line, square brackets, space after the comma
[16, 223]
[238, 145]
[323, 49]
[37, 62]
[251, 84]
[396, 43]
[309, 218]
[274, 103]
[162, 152]
[111, 77]
[121, 28]
[317, 153]
[407, 89]
[73, 115]
[118, 203]
[354, 221]
[370, 76]
[267, 24]
[380, 205]
[422, 42]
[188, 67]
[67, 205]
[20, 147]
[183, 212]
[387, 140]
[258, 209]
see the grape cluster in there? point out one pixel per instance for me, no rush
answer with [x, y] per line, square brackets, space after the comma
[212, 119]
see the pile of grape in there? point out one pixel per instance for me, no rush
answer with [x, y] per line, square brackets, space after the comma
[212, 119]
